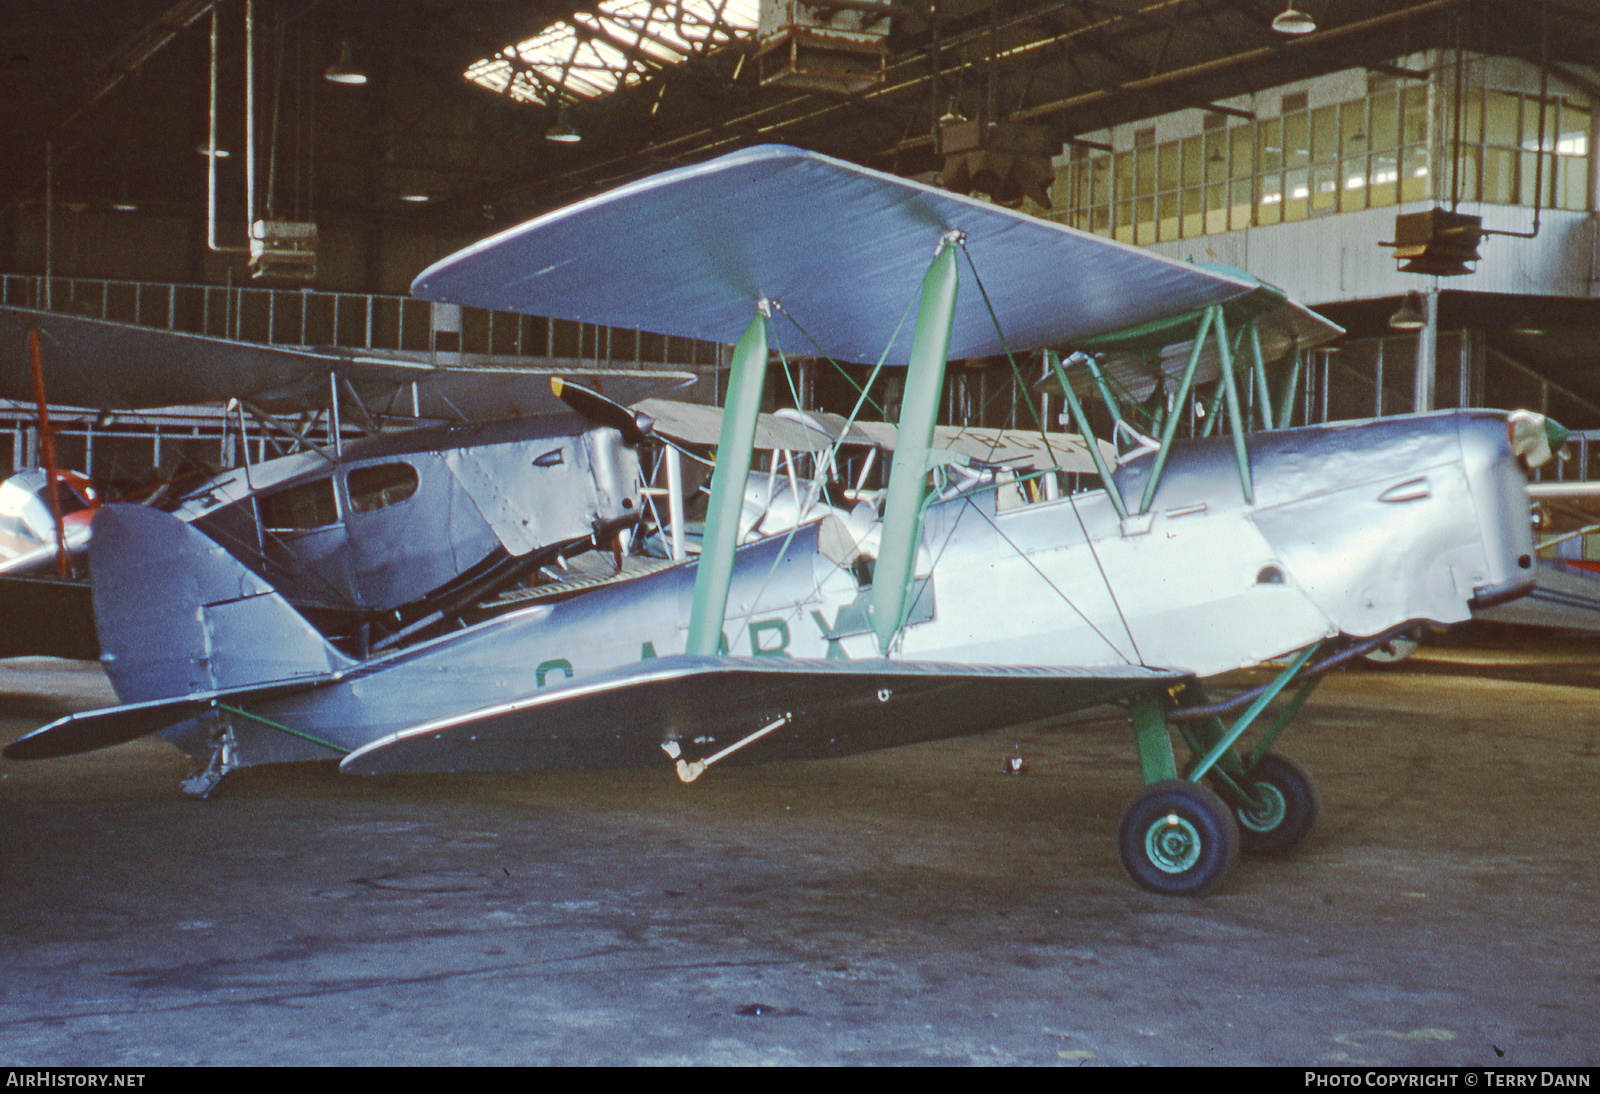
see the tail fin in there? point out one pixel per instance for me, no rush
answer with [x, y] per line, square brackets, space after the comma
[177, 614]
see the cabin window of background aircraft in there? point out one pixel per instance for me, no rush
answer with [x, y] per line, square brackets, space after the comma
[299, 508]
[1312, 161]
[373, 488]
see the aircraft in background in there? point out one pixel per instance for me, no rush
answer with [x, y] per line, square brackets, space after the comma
[1566, 594]
[468, 479]
[955, 613]
[27, 519]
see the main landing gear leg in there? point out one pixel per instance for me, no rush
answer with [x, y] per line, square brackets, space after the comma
[1180, 836]
[1272, 797]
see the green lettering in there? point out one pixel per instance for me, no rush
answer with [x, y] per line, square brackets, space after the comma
[550, 666]
[835, 650]
[758, 649]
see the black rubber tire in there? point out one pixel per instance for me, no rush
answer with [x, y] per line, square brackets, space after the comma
[1178, 838]
[1292, 810]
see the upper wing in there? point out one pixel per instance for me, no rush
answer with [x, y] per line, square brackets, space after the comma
[840, 248]
[702, 705]
[106, 365]
[117, 366]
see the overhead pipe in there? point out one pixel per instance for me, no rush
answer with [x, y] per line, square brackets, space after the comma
[1538, 139]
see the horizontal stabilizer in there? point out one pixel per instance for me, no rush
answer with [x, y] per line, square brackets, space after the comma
[702, 705]
[95, 729]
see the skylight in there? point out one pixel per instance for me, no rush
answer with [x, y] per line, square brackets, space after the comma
[618, 44]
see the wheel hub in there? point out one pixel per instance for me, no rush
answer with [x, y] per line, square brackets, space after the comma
[1172, 844]
[1269, 814]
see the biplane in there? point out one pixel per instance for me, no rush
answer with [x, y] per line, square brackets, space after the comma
[972, 606]
[465, 479]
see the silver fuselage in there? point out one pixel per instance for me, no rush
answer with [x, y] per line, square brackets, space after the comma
[1354, 528]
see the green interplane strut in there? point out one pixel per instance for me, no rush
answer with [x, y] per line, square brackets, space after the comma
[919, 407]
[715, 568]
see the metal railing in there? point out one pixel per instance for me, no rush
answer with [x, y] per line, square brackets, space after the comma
[370, 321]
[290, 317]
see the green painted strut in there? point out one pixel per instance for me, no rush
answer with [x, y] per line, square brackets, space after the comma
[1154, 743]
[1259, 368]
[919, 406]
[1227, 741]
[1231, 396]
[280, 727]
[1105, 389]
[1291, 386]
[1212, 316]
[714, 571]
[1081, 421]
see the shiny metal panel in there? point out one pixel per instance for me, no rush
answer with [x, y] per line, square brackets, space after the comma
[402, 551]
[553, 489]
[1356, 528]
[176, 613]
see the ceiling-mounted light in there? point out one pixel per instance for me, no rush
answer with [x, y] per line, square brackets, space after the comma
[205, 150]
[344, 71]
[1410, 315]
[1292, 22]
[562, 132]
[124, 206]
[415, 198]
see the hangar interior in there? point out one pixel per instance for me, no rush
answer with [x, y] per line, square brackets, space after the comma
[278, 171]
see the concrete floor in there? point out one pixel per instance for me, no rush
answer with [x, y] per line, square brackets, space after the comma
[908, 907]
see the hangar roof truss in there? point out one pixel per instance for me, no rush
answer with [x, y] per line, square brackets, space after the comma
[619, 43]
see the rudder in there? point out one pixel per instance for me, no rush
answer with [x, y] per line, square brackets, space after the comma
[176, 613]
